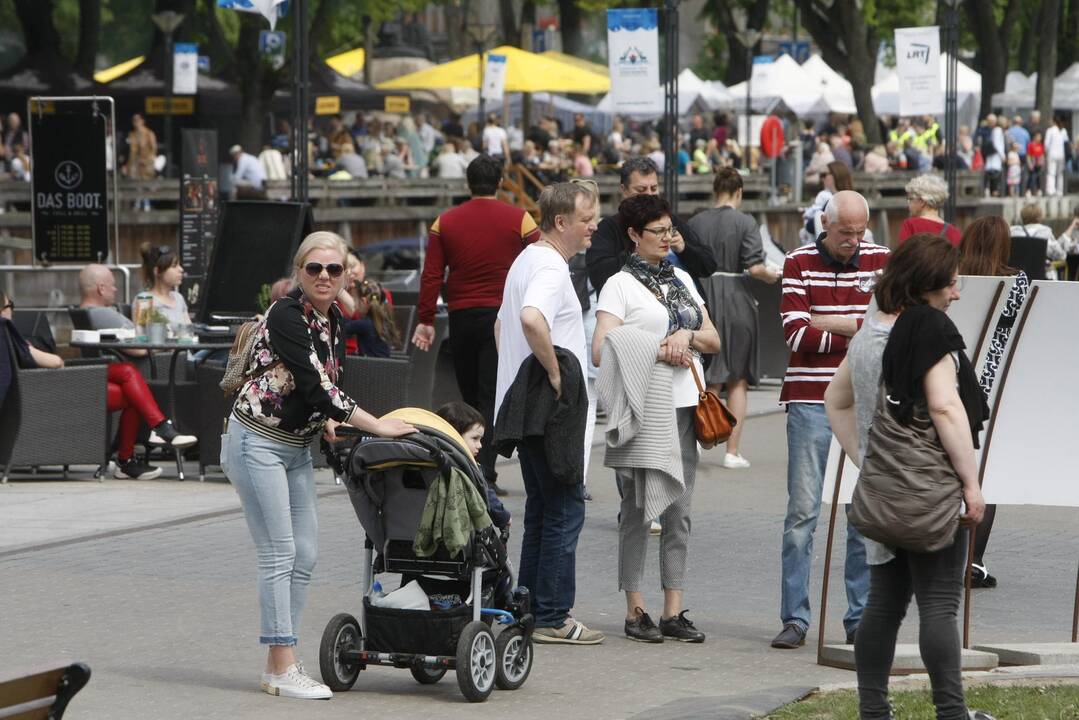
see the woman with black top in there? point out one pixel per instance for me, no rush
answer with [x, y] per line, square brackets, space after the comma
[912, 348]
[289, 399]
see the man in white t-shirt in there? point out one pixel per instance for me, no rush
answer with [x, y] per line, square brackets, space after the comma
[496, 141]
[540, 311]
[1055, 138]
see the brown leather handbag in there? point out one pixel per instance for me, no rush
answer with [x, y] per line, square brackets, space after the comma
[713, 421]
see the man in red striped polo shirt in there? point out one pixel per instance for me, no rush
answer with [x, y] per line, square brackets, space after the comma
[826, 290]
[477, 242]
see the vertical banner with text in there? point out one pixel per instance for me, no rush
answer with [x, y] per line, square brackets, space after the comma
[917, 63]
[494, 78]
[633, 59]
[69, 201]
[198, 209]
[185, 69]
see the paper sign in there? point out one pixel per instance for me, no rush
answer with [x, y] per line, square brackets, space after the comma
[917, 57]
[494, 78]
[185, 69]
[633, 59]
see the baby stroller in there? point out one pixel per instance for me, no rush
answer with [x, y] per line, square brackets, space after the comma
[388, 482]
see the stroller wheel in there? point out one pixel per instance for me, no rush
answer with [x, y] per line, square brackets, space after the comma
[341, 634]
[427, 676]
[476, 662]
[514, 651]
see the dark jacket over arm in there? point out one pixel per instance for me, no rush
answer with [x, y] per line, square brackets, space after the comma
[610, 244]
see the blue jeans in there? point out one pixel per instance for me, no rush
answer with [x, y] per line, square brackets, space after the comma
[554, 516]
[276, 484]
[809, 437]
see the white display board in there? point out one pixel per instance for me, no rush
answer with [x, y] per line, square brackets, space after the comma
[633, 60]
[917, 62]
[975, 314]
[1027, 456]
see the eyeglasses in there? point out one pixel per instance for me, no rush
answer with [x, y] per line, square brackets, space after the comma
[315, 269]
[660, 232]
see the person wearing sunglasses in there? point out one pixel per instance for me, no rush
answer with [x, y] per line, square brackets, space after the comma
[162, 275]
[290, 398]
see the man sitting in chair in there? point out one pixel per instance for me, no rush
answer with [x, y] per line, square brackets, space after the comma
[98, 289]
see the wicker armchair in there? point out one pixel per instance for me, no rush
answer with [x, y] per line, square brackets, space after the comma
[54, 417]
[379, 385]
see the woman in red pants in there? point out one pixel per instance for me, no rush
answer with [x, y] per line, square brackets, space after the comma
[127, 392]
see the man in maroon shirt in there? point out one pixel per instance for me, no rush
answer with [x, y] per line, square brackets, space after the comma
[477, 241]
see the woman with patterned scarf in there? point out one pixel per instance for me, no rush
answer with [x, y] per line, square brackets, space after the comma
[652, 295]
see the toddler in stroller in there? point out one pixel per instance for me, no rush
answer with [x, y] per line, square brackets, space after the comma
[421, 500]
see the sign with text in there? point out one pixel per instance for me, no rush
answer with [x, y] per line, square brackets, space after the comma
[70, 209]
[327, 104]
[198, 210]
[156, 105]
[633, 59]
[185, 69]
[397, 104]
[494, 78]
[917, 63]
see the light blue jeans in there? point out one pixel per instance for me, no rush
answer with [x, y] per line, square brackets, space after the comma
[809, 437]
[276, 484]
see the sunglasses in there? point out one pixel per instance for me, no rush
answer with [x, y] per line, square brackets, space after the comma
[315, 269]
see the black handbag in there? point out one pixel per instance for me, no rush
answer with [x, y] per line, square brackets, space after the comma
[908, 494]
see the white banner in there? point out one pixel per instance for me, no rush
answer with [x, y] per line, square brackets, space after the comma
[917, 59]
[269, 9]
[633, 59]
[494, 78]
[185, 69]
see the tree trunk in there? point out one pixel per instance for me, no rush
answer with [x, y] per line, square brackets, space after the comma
[369, 49]
[1048, 19]
[993, 43]
[257, 82]
[569, 20]
[1024, 60]
[850, 47]
[89, 30]
[738, 68]
[510, 33]
[1068, 37]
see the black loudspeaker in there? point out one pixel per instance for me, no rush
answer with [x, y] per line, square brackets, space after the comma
[255, 244]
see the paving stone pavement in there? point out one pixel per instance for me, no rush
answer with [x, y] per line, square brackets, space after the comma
[167, 616]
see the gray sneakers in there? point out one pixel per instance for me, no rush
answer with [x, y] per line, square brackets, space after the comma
[571, 633]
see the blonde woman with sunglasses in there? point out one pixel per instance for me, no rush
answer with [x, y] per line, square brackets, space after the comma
[290, 398]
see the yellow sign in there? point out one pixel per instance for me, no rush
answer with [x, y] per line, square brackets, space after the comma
[46, 107]
[327, 105]
[180, 106]
[398, 103]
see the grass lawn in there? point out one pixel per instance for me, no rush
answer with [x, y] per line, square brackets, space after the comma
[1030, 702]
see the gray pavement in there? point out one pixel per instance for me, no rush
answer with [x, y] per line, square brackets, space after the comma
[159, 598]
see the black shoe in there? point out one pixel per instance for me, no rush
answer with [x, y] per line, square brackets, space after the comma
[850, 636]
[680, 628]
[499, 490]
[790, 638]
[587, 496]
[642, 629]
[134, 470]
[980, 577]
[165, 434]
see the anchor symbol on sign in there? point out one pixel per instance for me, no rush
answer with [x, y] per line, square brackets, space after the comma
[68, 174]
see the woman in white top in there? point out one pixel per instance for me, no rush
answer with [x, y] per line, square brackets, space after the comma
[162, 275]
[651, 295]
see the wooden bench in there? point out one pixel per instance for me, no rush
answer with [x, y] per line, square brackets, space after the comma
[43, 694]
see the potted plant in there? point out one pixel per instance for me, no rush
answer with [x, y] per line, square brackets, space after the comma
[157, 330]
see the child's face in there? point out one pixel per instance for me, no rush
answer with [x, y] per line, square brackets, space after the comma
[474, 438]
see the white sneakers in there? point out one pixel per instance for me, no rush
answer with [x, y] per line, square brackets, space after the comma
[735, 462]
[295, 683]
[177, 440]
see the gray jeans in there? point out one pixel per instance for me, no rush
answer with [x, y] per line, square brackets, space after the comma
[936, 580]
[276, 484]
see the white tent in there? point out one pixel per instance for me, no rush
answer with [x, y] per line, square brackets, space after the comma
[837, 94]
[782, 79]
[694, 95]
[1019, 90]
[968, 91]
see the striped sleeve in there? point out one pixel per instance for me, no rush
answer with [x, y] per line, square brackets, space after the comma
[794, 310]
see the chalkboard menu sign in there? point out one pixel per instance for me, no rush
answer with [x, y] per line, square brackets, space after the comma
[198, 210]
[70, 208]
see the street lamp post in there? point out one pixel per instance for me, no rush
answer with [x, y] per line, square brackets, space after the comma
[167, 22]
[951, 108]
[670, 111]
[481, 33]
[748, 37]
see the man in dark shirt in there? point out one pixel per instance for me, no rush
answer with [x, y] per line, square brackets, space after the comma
[582, 134]
[611, 245]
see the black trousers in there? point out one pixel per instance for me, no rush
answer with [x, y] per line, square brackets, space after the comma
[936, 580]
[475, 363]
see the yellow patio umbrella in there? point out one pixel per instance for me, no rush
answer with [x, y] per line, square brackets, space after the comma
[578, 62]
[109, 74]
[525, 72]
[347, 63]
